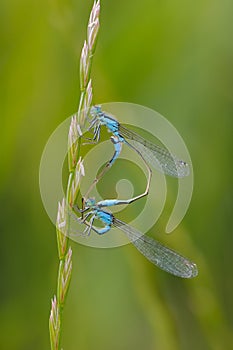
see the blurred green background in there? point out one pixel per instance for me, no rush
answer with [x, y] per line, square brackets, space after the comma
[175, 57]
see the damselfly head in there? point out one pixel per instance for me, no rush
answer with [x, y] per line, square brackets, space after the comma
[95, 111]
[90, 202]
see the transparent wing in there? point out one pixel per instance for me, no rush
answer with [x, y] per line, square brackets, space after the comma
[160, 255]
[159, 158]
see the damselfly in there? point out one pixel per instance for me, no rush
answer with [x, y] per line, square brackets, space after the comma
[160, 255]
[158, 157]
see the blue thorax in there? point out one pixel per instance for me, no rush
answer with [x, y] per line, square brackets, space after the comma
[105, 217]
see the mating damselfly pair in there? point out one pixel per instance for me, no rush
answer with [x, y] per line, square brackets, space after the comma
[152, 155]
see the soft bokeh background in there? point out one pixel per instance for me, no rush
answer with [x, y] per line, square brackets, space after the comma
[175, 57]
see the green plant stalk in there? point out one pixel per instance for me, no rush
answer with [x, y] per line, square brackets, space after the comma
[76, 171]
